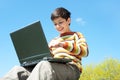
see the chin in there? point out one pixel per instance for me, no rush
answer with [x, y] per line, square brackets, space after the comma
[61, 31]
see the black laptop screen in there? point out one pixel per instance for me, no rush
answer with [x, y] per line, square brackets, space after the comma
[30, 42]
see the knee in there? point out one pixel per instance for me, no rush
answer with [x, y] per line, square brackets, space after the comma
[18, 69]
[45, 65]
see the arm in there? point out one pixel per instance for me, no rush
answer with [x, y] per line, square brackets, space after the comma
[77, 47]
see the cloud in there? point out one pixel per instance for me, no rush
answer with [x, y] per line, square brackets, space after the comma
[80, 21]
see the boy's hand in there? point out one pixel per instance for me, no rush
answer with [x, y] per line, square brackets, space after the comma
[55, 43]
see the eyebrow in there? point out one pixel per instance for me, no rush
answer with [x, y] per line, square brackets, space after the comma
[58, 21]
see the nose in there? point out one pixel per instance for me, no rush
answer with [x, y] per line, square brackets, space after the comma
[57, 26]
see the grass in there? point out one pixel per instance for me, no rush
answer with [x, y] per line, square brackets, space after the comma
[109, 69]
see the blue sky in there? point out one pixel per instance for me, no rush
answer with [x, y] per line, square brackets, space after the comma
[98, 20]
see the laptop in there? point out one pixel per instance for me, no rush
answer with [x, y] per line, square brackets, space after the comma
[31, 45]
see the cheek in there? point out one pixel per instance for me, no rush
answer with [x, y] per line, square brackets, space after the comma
[56, 27]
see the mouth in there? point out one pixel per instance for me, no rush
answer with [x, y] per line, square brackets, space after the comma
[60, 29]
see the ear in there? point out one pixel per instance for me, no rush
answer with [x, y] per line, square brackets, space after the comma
[69, 20]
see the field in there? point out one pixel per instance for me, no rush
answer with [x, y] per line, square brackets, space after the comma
[109, 69]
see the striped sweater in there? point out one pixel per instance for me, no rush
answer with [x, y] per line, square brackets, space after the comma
[74, 47]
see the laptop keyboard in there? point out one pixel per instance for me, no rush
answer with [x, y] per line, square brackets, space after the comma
[31, 63]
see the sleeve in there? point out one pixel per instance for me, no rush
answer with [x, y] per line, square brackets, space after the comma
[78, 46]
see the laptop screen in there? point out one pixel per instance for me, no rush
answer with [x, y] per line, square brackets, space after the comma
[30, 43]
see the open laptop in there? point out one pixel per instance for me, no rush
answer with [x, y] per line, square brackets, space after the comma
[31, 45]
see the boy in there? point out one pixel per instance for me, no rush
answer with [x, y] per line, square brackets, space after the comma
[69, 45]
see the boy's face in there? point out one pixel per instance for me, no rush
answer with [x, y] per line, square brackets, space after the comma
[62, 25]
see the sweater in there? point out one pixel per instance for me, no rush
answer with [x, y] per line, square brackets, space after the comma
[74, 47]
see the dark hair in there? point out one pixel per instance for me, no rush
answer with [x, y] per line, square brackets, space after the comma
[60, 12]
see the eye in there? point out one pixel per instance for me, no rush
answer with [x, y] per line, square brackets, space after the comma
[60, 22]
[55, 24]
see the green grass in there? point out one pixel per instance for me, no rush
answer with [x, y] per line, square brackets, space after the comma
[109, 69]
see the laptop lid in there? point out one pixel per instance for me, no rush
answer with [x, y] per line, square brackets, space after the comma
[30, 44]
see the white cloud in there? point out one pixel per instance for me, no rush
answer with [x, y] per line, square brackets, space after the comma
[80, 21]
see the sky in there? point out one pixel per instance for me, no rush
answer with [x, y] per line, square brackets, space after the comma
[97, 20]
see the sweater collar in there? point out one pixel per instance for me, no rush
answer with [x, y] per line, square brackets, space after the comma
[66, 33]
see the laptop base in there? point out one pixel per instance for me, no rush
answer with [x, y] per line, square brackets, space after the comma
[57, 60]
